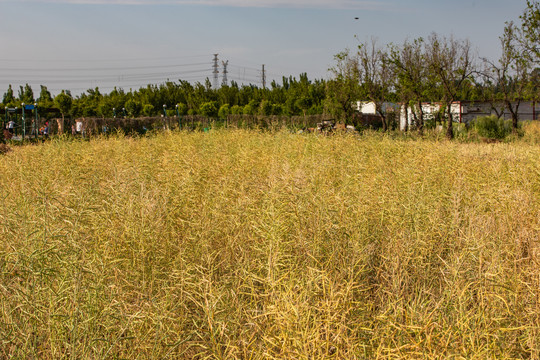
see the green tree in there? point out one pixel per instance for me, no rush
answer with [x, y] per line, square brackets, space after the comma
[237, 110]
[290, 104]
[117, 99]
[105, 109]
[251, 107]
[277, 94]
[224, 111]
[530, 27]
[88, 103]
[63, 102]
[228, 94]
[303, 103]
[133, 107]
[277, 109]
[265, 108]
[45, 99]
[26, 94]
[182, 109]
[9, 99]
[209, 109]
[148, 110]
[343, 89]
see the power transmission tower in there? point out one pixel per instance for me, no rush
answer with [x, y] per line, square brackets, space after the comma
[225, 72]
[216, 71]
[263, 78]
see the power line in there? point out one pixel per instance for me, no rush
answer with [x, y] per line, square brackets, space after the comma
[95, 74]
[116, 59]
[71, 78]
[245, 67]
[116, 85]
[104, 69]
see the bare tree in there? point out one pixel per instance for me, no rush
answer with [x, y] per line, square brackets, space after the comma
[452, 64]
[376, 77]
[509, 78]
[412, 77]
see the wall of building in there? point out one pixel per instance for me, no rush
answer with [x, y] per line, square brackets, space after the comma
[467, 111]
[528, 110]
[430, 110]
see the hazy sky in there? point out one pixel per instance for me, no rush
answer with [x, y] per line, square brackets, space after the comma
[79, 44]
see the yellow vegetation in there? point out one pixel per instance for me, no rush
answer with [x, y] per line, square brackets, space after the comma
[253, 245]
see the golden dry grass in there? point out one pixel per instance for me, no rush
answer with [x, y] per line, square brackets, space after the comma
[531, 132]
[252, 245]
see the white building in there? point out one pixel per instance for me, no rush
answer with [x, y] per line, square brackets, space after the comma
[527, 110]
[369, 108]
[430, 110]
[462, 111]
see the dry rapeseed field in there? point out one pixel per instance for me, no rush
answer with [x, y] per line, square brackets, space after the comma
[253, 245]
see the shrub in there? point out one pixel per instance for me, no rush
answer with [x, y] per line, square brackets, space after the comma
[430, 121]
[224, 111]
[236, 110]
[182, 109]
[248, 110]
[148, 110]
[492, 127]
[209, 109]
[277, 109]
[133, 107]
[265, 108]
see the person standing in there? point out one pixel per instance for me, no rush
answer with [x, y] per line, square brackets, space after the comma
[46, 129]
[11, 126]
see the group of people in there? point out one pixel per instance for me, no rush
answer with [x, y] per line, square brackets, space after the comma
[77, 129]
[44, 130]
[9, 130]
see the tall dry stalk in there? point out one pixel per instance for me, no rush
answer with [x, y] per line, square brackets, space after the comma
[252, 245]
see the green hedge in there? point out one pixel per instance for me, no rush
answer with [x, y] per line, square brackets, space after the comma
[492, 127]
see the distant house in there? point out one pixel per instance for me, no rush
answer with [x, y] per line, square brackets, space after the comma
[528, 110]
[369, 108]
[462, 111]
[432, 111]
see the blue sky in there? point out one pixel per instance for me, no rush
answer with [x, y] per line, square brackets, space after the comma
[79, 44]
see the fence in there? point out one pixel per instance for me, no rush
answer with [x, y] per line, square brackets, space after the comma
[93, 126]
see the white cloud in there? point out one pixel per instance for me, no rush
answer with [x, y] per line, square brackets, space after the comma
[314, 4]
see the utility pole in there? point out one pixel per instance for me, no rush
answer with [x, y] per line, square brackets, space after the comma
[216, 71]
[263, 78]
[225, 72]
[23, 122]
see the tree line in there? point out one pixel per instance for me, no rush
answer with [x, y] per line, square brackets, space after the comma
[292, 97]
[442, 69]
[439, 69]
